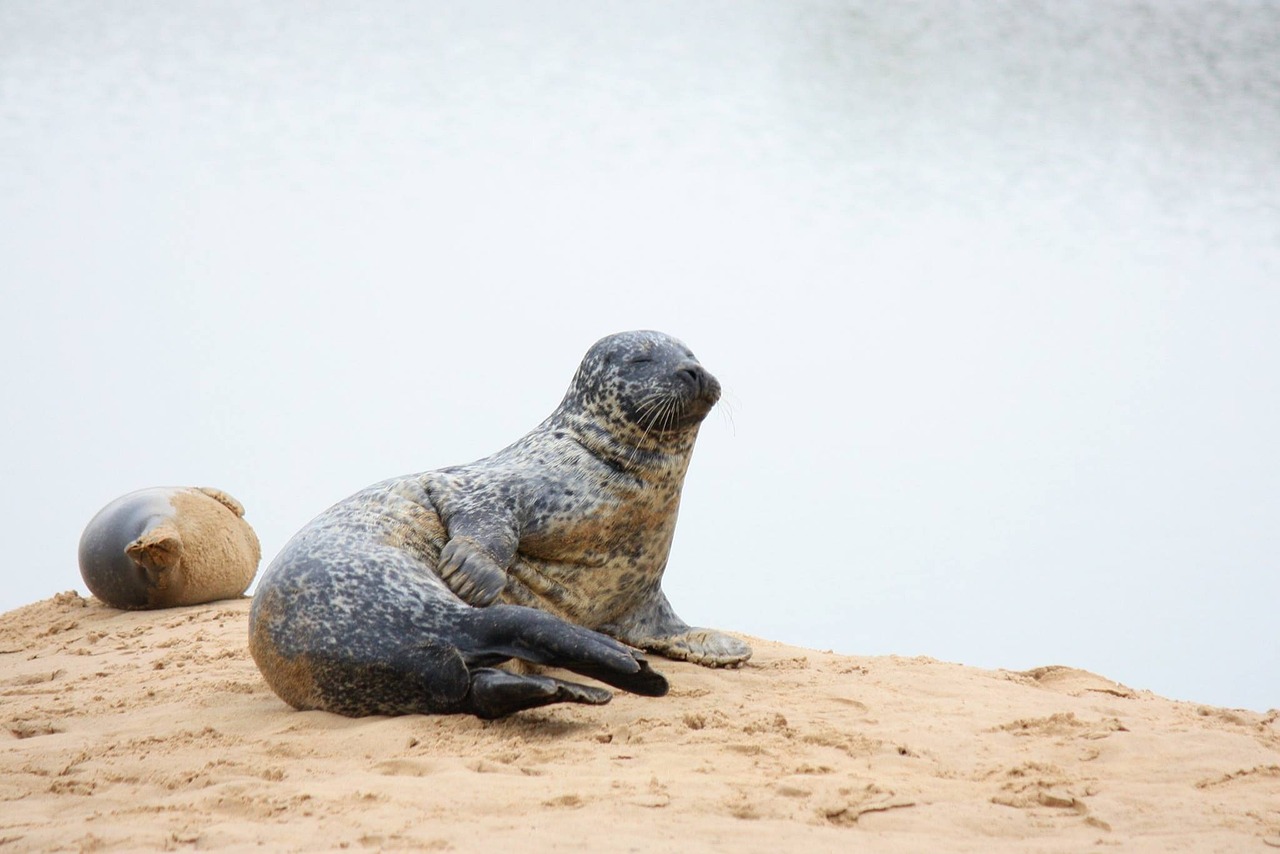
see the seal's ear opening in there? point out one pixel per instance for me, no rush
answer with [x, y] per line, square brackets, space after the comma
[157, 550]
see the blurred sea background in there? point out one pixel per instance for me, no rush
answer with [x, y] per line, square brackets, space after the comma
[991, 287]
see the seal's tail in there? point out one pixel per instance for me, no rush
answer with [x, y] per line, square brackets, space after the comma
[513, 631]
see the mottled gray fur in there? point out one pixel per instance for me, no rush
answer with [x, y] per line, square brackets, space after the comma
[401, 598]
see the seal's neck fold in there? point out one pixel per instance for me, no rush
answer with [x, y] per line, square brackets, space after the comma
[626, 448]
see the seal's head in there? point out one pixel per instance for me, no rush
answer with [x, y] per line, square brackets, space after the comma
[642, 385]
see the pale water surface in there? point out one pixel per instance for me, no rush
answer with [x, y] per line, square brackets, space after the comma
[992, 287]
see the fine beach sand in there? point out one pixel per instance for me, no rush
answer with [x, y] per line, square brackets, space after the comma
[153, 730]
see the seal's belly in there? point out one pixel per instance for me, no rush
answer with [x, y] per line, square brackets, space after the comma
[596, 556]
[594, 591]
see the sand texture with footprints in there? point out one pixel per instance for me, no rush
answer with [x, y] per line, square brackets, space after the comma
[154, 731]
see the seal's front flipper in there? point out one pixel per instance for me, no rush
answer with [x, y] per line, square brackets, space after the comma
[470, 572]
[707, 647]
[514, 631]
[481, 517]
[496, 693]
[157, 550]
[654, 627]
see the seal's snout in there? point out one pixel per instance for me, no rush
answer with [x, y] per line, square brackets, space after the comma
[699, 381]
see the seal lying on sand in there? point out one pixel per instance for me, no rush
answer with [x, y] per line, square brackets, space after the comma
[388, 602]
[169, 546]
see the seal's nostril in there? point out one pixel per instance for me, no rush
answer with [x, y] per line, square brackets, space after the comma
[691, 375]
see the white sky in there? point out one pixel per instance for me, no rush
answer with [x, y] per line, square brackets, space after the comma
[992, 292]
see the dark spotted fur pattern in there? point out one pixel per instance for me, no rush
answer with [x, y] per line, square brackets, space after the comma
[401, 598]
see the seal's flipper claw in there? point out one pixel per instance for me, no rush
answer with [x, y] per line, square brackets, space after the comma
[496, 693]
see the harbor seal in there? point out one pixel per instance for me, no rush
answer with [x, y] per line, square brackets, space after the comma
[169, 546]
[403, 597]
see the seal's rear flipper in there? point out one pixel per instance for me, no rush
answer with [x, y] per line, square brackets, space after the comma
[646, 682]
[496, 693]
[513, 631]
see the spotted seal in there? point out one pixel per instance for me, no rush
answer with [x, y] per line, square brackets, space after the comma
[169, 546]
[403, 597]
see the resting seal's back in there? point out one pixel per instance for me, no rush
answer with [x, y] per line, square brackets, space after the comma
[400, 598]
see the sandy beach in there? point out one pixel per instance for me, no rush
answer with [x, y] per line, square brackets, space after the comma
[154, 731]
